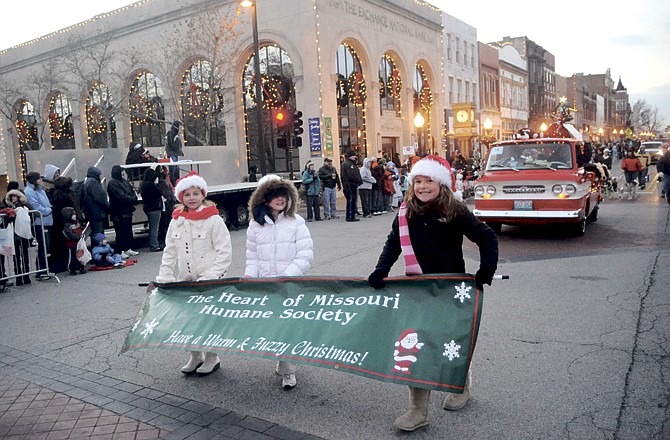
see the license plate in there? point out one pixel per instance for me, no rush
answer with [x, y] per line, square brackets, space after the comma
[523, 205]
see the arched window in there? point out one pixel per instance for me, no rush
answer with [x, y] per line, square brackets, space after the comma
[278, 95]
[423, 103]
[351, 95]
[146, 111]
[202, 106]
[60, 123]
[26, 130]
[100, 125]
[390, 85]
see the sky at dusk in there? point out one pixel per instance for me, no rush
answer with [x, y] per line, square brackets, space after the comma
[630, 38]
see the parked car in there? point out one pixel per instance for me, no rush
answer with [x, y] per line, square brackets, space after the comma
[653, 148]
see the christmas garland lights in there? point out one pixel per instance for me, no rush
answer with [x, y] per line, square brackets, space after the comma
[356, 88]
[426, 97]
[394, 84]
[276, 90]
[56, 125]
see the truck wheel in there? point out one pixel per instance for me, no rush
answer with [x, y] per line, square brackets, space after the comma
[497, 227]
[224, 215]
[578, 229]
[242, 216]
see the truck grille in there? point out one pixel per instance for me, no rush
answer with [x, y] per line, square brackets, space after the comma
[523, 189]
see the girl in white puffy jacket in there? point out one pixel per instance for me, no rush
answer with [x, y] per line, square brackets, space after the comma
[198, 246]
[278, 242]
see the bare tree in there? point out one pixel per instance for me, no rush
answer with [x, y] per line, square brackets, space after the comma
[645, 117]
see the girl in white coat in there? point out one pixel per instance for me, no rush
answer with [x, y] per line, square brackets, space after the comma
[278, 242]
[198, 246]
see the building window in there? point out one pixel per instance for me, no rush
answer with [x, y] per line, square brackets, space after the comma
[202, 105]
[458, 50]
[451, 90]
[390, 85]
[472, 55]
[449, 47]
[60, 123]
[100, 125]
[351, 96]
[278, 93]
[147, 112]
[26, 130]
[459, 91]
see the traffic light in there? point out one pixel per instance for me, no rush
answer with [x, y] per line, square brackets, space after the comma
[280, 117]
[282, 143]
[297, 123]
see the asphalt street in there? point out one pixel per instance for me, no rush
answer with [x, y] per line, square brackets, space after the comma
[574, 345]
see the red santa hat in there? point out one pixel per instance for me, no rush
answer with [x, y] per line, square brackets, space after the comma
[191, 179]
[437, 169]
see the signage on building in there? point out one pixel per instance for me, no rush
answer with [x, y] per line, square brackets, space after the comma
[315, 136]
[408, 150]
[328, 135]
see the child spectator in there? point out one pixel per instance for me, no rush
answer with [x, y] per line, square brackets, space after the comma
[196, 220]
[102, 252]
[73, 232]
[278, 242]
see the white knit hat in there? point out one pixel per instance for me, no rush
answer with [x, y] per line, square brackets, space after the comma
[437, 169]
[191, 179]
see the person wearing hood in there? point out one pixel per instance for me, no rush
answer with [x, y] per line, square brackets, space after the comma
[137, 154]
[311, 181]
[63, 197]
[278, 242]
[173, 149]
[23, 235]
[38, 200]
[94, 203]
[122, 201]
[72, 231]
[607, 158]
[365, 189]
[351, 180]
[152, 203]
[51, 173]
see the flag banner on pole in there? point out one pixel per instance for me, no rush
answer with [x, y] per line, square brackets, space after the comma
[419, 331]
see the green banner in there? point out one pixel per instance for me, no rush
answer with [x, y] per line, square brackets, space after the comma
[419, 331]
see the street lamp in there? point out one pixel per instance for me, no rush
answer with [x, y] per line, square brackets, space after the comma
[600, 134]
[543, 129]
[418, 123]
[257, 75]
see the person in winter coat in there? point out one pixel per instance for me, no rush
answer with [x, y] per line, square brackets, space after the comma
[173, 149]
[22, 232]
[102, 252]
[169, 202]
[365, 189]
[95, 204]
[431, 224]
[632, 168]
[152, 203]
[63, 196]
[351, 180]
[51, 173]
[198, 247]
[645, 161]
[377, 170]
[313, 185]
[663, 167]
[329, 178]
[72, 231]
[137, 154]
[38, 200]
[122, 200]
[278, 242]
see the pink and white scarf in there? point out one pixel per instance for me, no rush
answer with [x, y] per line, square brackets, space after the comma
[411, 263]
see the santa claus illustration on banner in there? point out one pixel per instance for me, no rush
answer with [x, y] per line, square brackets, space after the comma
[407, 347]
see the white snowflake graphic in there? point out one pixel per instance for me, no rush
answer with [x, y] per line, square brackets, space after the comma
[154, 292]
[135, 325]
[149, 328]
[451, 350]
[462, 292]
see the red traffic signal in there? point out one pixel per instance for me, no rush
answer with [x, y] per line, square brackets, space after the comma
[280, 116]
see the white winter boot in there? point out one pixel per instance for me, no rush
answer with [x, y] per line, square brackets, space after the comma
[211, 364]
[193, 363]
[417, 414]
[454, 402]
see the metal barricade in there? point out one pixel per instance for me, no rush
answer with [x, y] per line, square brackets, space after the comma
[21, 257]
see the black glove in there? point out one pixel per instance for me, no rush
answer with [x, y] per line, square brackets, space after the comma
[484, 276]
[376, 279]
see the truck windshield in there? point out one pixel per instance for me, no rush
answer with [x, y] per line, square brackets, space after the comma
[530, 156]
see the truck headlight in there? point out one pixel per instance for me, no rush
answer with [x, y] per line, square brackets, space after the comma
[479, 190]
[557, 189]
[570, 189]
[490, 190]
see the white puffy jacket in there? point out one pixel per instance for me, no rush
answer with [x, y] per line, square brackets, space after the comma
[281, 248]
[200, 249]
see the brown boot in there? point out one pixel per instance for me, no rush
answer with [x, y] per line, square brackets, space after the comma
[454, 402]
[417, 414]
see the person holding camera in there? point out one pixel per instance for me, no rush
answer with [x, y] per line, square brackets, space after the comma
[330, 179]
[313, 188]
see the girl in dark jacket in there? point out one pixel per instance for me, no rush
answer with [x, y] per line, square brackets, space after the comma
[152, 203]
[122, 200]
[431, 225]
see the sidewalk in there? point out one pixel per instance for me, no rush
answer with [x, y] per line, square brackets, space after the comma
[44, 399]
